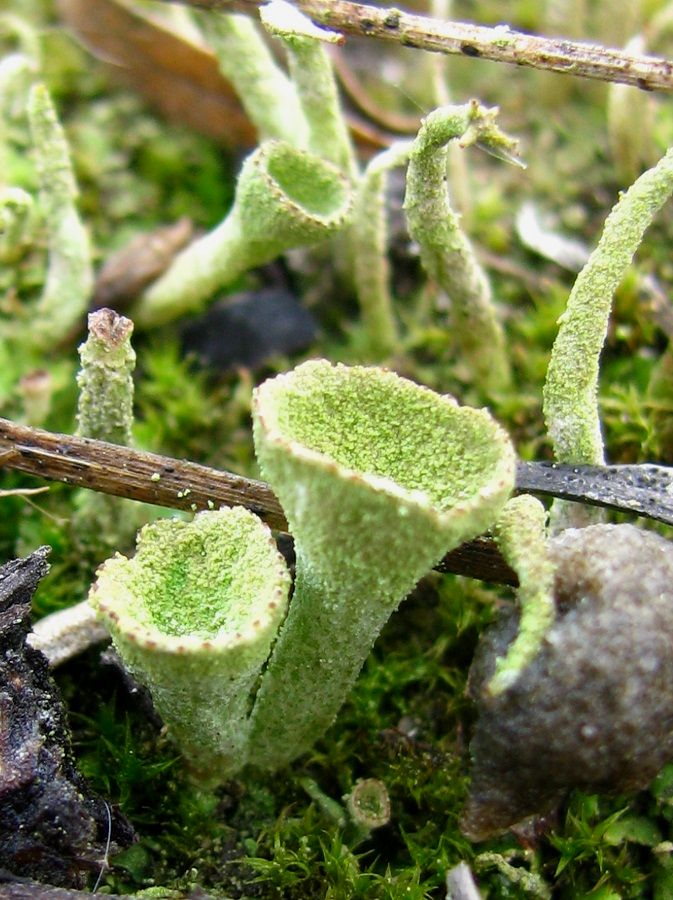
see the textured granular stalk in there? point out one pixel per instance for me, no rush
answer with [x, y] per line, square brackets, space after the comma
[67, 290]
[266, 93]
[105, 412]
[520, 533]
[370, 251]
[105, 382]
[446, 253]
[571, 387]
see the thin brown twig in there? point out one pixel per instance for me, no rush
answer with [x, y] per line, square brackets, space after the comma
[179, 484]
[498, 44]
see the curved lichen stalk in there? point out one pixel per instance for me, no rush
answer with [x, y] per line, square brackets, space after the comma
[446, 253]
[370, 251]
[571, 387]
[266, 93]
[378, 478]
[193, 615]
[520, 533]
[313, 77]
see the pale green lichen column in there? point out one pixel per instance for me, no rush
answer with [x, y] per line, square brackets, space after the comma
[193, 615]
[571, 387]
[370, 252]
[520, 533]
[570, 397]
[105, 379]
[446, 253]
[67, 290]
[378, 477]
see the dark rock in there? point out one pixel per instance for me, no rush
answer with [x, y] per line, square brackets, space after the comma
[52, 828]
[595, 708]
[248, 329]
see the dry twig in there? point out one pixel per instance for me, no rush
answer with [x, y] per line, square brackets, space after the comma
[179, 484]
[498, 44]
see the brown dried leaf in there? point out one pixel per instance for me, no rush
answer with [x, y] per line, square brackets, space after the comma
[179, 78]
[131, 269]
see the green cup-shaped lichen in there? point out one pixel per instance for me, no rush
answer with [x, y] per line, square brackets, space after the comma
[193, 615]
[285, 198]
[378, 477]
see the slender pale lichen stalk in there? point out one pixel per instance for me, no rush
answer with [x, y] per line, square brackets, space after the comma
[285, 198]
[446, 253]
[105, 382]
[69, 282]
[378, 478]
[193, 615]
[521, 536]
[571, 386]
[102, 523]
[630, 121]
[267, 94]
[313, 76]
[370, 256]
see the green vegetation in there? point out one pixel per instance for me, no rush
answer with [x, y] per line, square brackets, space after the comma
[407, 720]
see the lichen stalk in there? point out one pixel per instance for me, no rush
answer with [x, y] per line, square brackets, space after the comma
[69, 282]
[266, 93]
[285, 198]
[446, 252]
[105, 412]
[520, 533]
[105, 382]
[571, 386]
[370, 238]
[313, 76]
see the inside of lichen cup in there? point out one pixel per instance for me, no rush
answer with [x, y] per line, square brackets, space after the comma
[199, 583]
[307, 181]
[379, 424]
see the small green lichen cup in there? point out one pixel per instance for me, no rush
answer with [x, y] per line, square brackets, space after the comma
[379, 477]
[193, 615]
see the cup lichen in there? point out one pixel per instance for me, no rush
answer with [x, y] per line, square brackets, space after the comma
[193, 615]
[378, 477]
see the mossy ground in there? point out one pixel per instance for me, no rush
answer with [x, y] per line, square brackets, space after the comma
[407, 721]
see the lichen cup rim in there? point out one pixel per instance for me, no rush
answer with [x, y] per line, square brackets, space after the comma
[119, 608]
[264, 162]
[502, 475]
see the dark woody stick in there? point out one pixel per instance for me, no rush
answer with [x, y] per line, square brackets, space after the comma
[498, 44]
[179, 484]
[644, 489]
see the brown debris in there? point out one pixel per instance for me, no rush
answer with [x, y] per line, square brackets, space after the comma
[127, 273]
[52, 828]
[180, 79]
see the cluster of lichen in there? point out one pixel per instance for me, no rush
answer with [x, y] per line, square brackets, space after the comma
[603, 847]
